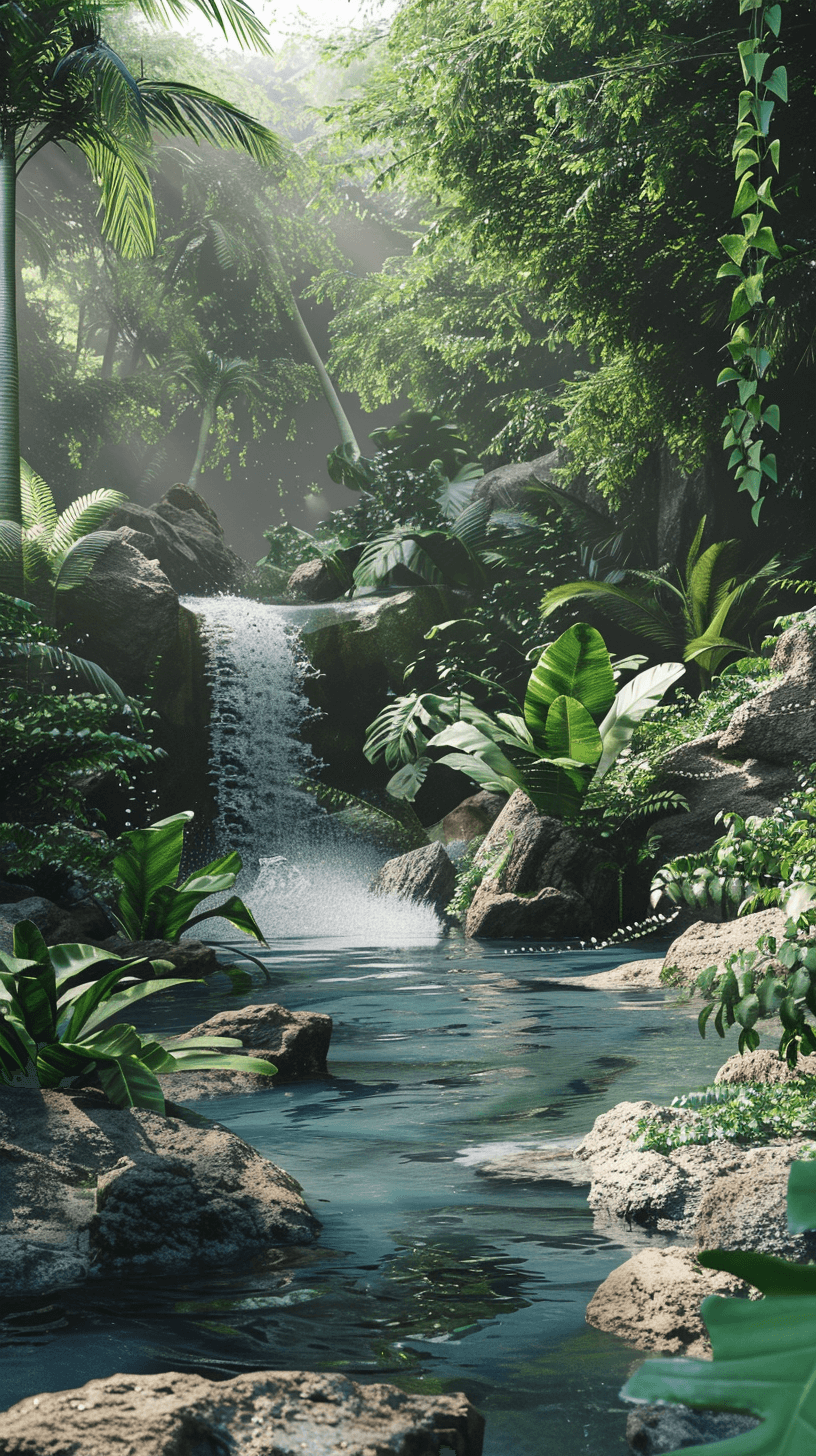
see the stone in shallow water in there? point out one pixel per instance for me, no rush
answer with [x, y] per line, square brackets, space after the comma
[654, 1301]
[272, 1413]
[296, 1042]
[656, 1430]
[424, 875]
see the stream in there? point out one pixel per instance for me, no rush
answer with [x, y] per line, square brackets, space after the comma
[444, 1055]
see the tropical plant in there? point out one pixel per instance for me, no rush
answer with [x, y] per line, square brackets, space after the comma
[753, 865]
[27, 644]
[403, 729]
[54, 1003]
[58, 548]
[699, 613]
[455, 554]
[571, 728]
[763, 1349]
[152, 906]
[776, 979]
[215, 382]
[751, 255]
[61, 82]
[742, 1112]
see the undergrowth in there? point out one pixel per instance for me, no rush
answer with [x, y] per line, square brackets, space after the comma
[743, 1112]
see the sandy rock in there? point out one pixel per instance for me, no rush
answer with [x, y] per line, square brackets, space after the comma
[296, 1042]
[710, 783]
[704, 944]
[653, 1300]
[537, 1165]
[656, 1430]
[424, 875]
[474, 816]
[632, 975]
[763, 1066]
[188, 957]
[779, 725]
[124, 615]
[87, 1189]
[314, 581]
[549, 885]
[182, 533]
[270, 1413]
[719, 1194]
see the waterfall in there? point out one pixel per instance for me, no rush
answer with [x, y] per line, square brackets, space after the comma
[301, 878]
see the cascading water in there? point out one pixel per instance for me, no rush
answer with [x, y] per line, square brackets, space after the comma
[302, 878]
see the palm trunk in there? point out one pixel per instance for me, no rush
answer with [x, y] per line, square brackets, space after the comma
[10, 507]
[347, 435]
[110, 352]
[203, 438]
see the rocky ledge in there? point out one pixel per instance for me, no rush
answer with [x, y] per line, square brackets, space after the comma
[653, 1301]
[296, 1042]
[255, 1415]
[87, 1190]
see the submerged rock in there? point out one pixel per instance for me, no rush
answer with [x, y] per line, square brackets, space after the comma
[549, 883]
[266, 1413]
[721, 1194]
[88, 1190]
[653, 1300]
[296, 1042]
[424, 875]
[704, 944]
[656, 1430]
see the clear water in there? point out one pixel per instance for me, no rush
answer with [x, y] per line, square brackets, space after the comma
[425, 1273]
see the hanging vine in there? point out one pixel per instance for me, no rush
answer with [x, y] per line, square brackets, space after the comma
[751, 255]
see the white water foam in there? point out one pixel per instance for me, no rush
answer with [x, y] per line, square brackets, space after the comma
[300, 878]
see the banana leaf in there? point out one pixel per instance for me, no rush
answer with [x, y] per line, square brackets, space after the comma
[576, 665]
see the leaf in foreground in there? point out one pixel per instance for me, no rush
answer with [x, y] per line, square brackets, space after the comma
[764, 1364]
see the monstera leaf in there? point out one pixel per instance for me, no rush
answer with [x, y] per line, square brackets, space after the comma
[764, 1351]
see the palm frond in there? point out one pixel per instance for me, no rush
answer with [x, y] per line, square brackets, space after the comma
[38, 507]
[636, 612]
[233, 17]
[470, 526]
[116, 89]
[51, 657]
[36, 243]
[87, 513]
[177, 109]
[118, 169]
[78, 561]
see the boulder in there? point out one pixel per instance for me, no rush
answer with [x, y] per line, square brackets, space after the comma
[83, 922]
[720, 1194]
[710, 783]
[43, 913]
[632, 976]
[314, 581]
[549, 883]
[656, 1430]
[505, 486]
[188, 957]
[653, 1300]
[182, 533]
[424, 875]
[360, 650]
[473, 817]
[123, 616]
[704, 944]
[779, 726]
[762, 1066]
[296, 1042]
[88, 1190]
[262, 1413]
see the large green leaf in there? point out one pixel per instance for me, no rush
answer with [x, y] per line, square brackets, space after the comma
[802, 1176]
[764, 1363]
[78, 1002]
[408, 780]
[630, 706]
[236, 913]
[71, 960]
[636, 607]
[55, 1062]
[570, 732]
[151, 858]
[129, 1083]
[556, 789]
[767, 1273]
[476, 768]
[228, 864]
[467, 738]
[29, 944]
[37, 998]
[123, 1000]
[576, 665]
[216, 1061]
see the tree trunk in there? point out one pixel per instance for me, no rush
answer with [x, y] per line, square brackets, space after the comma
[347, 435]
[207, 419]
[110, 352]
[10, 507]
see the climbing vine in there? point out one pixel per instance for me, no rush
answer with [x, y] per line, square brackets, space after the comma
[751, 254]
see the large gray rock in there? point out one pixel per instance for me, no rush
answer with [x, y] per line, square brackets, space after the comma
[779, 726]
[424, 875]
[182, 533]
[505, 486]
[89, 1190]
[711, 783]
[550, 884]
[653, 1300]
[124, 615]
[314, 581]
[41, 912]
[265, 1413]
[714, 1195]
[704, 944]
[656, 1430]
[473, 817]
[296, 1042]
[187, 957]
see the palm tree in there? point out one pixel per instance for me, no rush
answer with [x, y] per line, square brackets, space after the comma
[215, 381]
[60, 82]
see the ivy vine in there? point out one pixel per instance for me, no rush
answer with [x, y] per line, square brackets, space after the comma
[751, 255]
